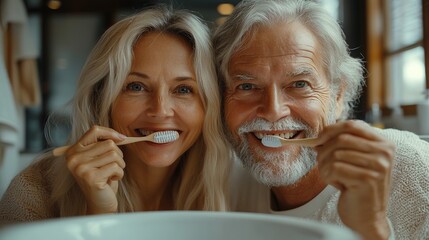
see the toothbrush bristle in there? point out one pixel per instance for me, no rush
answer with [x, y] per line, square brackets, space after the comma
[271, 141]
[165, 136]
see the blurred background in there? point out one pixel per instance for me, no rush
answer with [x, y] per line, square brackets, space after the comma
[56, 36]
[65, 31]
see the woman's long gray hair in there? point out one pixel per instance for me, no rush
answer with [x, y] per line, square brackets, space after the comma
[203, 170]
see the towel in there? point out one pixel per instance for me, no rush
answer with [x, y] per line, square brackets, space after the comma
[9, 127]
[21, 53]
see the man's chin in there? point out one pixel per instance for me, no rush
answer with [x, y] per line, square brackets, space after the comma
[272, 176]
[277, 169]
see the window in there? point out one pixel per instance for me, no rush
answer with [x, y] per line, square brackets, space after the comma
[404, 59]
[396, 53]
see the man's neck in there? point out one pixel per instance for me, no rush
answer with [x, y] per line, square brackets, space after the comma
[293, 196]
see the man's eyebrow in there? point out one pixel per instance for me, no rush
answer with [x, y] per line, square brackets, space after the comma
[302, 71]
[243, 77]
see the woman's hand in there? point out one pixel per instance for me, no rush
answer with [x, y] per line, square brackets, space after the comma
[97, 164]
[358, 162]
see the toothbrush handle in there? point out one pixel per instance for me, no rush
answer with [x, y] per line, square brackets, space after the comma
[309, 142]
[59, 151]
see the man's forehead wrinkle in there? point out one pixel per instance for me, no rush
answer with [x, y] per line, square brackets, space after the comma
[247, 58]
[311, 51]
[289, 52]
[265, 56]
[302, 69]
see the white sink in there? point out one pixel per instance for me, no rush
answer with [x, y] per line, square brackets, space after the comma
[176, 225]
[425, 137]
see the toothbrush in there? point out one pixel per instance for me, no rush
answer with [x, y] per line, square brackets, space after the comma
[276, 141]
[156, 137]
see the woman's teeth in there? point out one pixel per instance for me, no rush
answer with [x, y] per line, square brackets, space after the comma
[282, 135]
[145, 132]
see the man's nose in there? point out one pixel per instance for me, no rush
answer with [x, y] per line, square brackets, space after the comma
[274, 105]
[161, 106]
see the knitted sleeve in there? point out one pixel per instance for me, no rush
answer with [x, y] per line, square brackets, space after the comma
[408, 207]
[27, 197]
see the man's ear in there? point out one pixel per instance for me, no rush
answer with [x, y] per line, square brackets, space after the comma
[339, 102]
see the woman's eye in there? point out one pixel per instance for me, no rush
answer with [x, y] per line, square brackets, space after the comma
[245, 86]
[300, 84]
[184, 89]
[135, 87]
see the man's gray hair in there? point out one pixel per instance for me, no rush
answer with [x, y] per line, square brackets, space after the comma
[342, 70]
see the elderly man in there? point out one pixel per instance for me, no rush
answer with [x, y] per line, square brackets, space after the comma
[286, 71]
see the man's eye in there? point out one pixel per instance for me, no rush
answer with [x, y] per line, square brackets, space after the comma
[300, 84]
[184, 89]
[135, 87]
[246, 86]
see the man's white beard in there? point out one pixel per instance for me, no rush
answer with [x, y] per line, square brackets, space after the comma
[274, 169]
[277, 169]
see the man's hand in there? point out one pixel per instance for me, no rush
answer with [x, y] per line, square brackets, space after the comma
[358, 162]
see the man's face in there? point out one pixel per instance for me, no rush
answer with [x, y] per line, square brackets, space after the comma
[277, 86]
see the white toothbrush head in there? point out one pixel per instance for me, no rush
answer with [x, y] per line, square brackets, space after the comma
[165, 136]
[271, 141]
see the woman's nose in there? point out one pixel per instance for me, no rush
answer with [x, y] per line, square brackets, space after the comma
[161, 106]
[274, 105]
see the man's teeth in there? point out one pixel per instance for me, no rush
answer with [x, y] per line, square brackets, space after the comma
[282, 135]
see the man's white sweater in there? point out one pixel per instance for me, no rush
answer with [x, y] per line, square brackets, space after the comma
[408, 207]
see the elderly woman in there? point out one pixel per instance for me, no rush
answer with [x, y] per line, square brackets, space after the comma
[150, 72]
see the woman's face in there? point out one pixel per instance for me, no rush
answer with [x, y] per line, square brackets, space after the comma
[160, 93]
